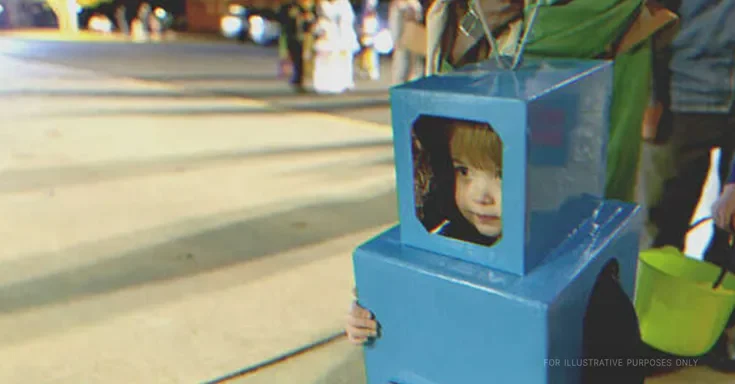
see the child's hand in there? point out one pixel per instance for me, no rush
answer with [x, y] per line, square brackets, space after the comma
[651, 119]
[360, 324]
[724, 208]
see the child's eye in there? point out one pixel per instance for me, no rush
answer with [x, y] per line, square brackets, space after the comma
[461, 169]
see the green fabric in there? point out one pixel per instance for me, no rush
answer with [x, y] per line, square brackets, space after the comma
[282, 47]
[630, 99]
[586, 29]
[580, 28]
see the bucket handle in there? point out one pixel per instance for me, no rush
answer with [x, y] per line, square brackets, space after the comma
[723, 269]
[720, 278]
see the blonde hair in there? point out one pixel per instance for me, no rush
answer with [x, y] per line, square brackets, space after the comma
[478, 144]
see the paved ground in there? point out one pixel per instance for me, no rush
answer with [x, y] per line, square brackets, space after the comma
[205, 69]
[172, 214]
[151, 236]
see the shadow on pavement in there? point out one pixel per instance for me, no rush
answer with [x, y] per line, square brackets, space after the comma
[210, 77]
[332, 106]
[208, 250]
[195, 93]
[287, 92]
[229, 110]
[349, 370]
[23, 180]
[102, 93]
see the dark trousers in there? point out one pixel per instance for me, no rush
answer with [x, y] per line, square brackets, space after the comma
[677, 173]
[296, 53]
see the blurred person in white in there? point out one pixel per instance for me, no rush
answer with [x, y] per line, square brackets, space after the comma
[369, 58]
[349, 44]
[406, 64]
[326, 37]
[336, 44]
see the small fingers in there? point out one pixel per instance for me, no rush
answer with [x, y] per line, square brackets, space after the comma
[357, 311]
[361, 323]
[356, 340]
[359, 333]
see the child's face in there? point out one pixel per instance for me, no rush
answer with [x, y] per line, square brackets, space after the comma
[478, 195]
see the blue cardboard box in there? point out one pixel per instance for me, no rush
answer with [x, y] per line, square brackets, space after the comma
[552, 118]
[446, 321]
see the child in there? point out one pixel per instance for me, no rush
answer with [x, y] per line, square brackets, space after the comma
[476, 155]
[475, 214]
[475, 152]
[326, 35]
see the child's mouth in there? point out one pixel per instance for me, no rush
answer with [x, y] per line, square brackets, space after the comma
[487, 219]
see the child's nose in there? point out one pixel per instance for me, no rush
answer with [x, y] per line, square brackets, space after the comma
[482, 193]
[485, 199]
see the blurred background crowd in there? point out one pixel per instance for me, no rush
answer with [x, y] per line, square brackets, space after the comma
[315, 37]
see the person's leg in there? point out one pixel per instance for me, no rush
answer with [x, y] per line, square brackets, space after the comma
[400, 65]
[717, 252]
[722, 356]
[374, 65]
[418, 64]
[411, 66]
[145, 26]
[341, 71]
[646, 179]
[122, 24]
[679, 169]
[349, 70]
[296, 52]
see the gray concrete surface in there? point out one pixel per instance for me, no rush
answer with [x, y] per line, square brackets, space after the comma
[155, 248]
[205, 69]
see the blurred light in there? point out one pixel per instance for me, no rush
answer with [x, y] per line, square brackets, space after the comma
[230, 26]
[257, 27]
[236, 9]
[383, 42]
[2, 8]
[100, 24]
[80, 9]
[160, 13]
[371, 25]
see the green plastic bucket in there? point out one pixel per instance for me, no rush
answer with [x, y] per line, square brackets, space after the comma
[679, 310]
